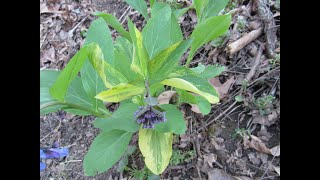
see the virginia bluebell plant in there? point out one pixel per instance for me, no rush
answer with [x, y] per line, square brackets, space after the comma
[53, 152]
[149, 116]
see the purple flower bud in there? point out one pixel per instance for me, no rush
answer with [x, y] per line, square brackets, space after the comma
[54, 153]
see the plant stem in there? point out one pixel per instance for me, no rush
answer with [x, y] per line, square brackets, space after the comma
[76, 107]
[148, 88]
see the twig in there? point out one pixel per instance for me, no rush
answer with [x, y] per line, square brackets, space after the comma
[221, 114]
[257, 61]
[270, 33]
[198, 172]
[270, 177]
[242, 42]
[55, 130]
[267, 168]
[70, 33]
[72, 161]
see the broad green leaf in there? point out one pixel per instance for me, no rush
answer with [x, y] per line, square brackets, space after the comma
[120, 92]
[99, 33]
[175, 122]
[181, 71]
[156, 147]
[167, 60]
[203, 104]
[209, 71]
[114, 23]
[156, 89]
[47, 79]
[94, 54]
[212, 71]
[179, 12]
[152, 2]
[194, 84]
[213, 8]
[140, 55]
[114, 77]
[161, 31]
[140, 6]
[208, 30]
[106, 149]
[186, 97]
[122, 65]
[122, 119]
[200, 5]
[152, 101]
[75, 95]
[199, 69]
[122, 45]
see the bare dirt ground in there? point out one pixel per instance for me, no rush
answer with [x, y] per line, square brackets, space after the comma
[240, 138]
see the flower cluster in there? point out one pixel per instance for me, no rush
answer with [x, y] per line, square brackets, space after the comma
[53, 152]
[149, 116]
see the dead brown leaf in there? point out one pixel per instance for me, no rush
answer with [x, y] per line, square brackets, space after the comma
[217, 174]
[255, 143]
[164, 98]
[193, 15]
[242, 178]
[275, 151]
[277, 169]
[254, 159]
[222, 88]
[263, 134]
[210, 158]
[184, 140]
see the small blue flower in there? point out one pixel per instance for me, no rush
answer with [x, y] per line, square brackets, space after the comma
[55, 153]
[148, 116]
[42, 166]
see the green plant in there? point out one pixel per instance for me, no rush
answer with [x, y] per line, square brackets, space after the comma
[263, 104]
[179, 157]
[132, 71]
[276, 61]
[240, 132]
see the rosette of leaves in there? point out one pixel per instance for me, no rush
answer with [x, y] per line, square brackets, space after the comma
[133, 70]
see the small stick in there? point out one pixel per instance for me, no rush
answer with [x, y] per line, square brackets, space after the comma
[255, 66]
[198, 172]
[55, 130]
[224, 112]
[242, 42]
[70, 33]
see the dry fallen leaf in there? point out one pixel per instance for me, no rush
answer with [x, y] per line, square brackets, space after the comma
[210, 158]
[275, 150]
[263, 134]
[254, 159]
[184, 140]
[242, 178]
[255, 143]
[277, 169]
[193, 16]
[222, 88]
[164, 98]
[217, 174]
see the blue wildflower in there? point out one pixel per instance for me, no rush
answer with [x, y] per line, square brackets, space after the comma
[54, 152]
[149, 116]
[42, 166]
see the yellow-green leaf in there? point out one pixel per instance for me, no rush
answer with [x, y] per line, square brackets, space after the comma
[140, 55]
[201, 88]
[120, 92]
[156, 148]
